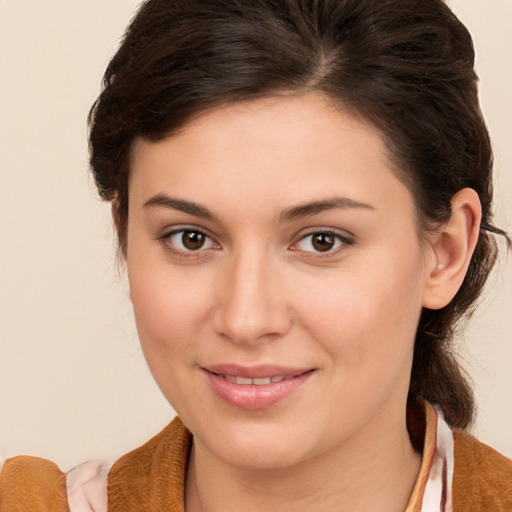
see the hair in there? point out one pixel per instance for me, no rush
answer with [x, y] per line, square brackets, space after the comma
[406, 66]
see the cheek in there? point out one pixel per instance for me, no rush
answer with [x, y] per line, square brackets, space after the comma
[169, 309]
[367, 317]
[169, 313]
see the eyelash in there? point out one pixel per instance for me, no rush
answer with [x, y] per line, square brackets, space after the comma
[340, 242]
[166, 241]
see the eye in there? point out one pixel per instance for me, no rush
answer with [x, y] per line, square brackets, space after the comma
[188, 240]
[321, 242]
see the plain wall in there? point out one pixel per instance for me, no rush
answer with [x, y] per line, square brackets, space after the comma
[73, 382]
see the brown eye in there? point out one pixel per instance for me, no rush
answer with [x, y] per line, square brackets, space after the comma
[193, 240]
[323, 242]
[189, 240]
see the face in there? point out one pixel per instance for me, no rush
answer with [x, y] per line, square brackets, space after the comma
[277, 279]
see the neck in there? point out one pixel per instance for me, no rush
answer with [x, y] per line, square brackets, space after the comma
[373, 472]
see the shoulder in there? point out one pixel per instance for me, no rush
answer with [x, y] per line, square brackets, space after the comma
[151, 477]
[31, 483]
[152, 474]
[482, 479]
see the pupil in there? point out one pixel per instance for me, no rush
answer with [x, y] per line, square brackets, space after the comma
[323, 242]
[193, 240]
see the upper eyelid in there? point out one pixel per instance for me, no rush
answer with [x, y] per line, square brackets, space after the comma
[166, 232]
[185, 255]
[344, 237]
[342, 233]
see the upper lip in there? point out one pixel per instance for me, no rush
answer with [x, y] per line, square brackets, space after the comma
[255, 372]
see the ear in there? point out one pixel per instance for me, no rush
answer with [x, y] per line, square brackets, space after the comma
[451, 249]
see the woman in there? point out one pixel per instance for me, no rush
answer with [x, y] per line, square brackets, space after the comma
[302, 194]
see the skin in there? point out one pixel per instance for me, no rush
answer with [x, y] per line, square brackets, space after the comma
[258, 292]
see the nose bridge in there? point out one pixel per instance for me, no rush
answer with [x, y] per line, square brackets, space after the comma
[252, 303]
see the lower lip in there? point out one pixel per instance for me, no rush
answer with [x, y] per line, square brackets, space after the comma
[252, 397]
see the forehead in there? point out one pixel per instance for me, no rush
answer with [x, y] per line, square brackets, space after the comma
[281, 150]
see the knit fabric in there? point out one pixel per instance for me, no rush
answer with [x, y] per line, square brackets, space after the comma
[30, 484]
[152, 477]
[482, 481]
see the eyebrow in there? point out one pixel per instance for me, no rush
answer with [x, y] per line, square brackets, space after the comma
[291, 214]
[316, 207]
[183, 206]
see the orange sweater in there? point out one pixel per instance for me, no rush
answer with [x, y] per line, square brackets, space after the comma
[152, 477]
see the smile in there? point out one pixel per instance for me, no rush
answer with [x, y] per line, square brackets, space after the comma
[255, 388]
[263, 381]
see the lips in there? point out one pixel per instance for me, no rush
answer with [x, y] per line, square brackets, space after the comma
[255, 372]
[255, 388]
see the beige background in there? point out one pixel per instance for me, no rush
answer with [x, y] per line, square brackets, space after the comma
[73, 383]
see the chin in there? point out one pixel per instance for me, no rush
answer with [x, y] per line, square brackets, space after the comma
[257, 445]
[261, 456]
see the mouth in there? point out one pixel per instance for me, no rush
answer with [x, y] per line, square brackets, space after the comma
[261, 381]
[255, 388]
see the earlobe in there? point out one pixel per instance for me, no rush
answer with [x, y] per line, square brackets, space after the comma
[452, 247]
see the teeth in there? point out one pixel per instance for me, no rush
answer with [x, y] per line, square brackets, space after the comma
[263, 381]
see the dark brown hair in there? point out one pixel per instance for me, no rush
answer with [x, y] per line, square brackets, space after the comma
[407, 66]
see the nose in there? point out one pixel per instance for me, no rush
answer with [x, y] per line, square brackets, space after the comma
[251, 303]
